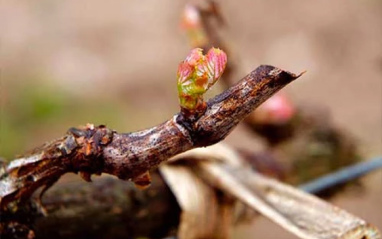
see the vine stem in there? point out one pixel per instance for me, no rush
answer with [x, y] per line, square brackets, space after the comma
[94, 150]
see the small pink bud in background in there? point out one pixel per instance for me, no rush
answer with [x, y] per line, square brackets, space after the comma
[192, 23]
[276, 110]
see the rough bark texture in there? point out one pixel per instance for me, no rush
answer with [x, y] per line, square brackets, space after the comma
[95, 150]
[106, 208]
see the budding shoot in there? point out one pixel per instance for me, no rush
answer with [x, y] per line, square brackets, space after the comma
[196, 74]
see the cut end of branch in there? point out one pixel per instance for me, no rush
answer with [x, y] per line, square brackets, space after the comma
[302, 73]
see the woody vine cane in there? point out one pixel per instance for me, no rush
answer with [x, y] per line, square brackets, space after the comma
[129, 156]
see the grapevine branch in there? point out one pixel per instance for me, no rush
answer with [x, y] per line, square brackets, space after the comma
[129, 156]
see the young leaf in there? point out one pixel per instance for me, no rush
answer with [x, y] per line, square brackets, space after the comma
[196, 74]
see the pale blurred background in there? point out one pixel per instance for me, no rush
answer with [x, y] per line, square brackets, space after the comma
[67, 63]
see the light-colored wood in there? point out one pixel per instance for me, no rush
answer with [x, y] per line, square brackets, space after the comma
[302, 214]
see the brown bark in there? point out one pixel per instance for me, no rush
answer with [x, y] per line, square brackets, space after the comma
[106, 208]
[95, 150]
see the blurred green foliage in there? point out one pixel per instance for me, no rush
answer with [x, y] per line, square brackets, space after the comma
[41, 112]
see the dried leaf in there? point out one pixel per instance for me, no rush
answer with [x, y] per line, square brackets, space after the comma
[302, 214]
[205, 213]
